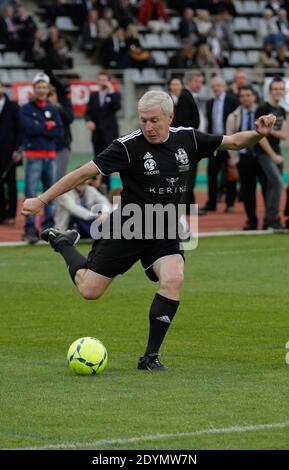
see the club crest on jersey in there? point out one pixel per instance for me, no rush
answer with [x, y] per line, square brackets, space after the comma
[182, 156]
[150, 164]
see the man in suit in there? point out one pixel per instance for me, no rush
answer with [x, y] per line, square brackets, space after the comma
[100, 115]
[10, 141]
[188, 113]
[113, 51]
[218, 109]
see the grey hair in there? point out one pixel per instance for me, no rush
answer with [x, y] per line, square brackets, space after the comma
[154, 98]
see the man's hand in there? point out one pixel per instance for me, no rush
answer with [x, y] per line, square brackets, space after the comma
[91, 126]
[278, 159]
[264, 124]
[32, 206]
[17, 156]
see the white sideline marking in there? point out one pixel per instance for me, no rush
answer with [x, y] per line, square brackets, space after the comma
[159, 437]
[200, 235]
[238, 232]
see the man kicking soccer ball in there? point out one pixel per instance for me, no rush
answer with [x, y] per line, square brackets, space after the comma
[155, 164]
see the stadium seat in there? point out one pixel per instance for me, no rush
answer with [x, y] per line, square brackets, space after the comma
[254, 21]
[253, 57]
[5, 77]
[151, 76]
[30, 74]
[239, 5]
[248, 41]
[169, 41]
[241, 24]
[12, 59]
[237, 41]
[135, 75]
[228, 74]
[18, 75]
[174, 23]
[252, 7]
[238, 58]
[160, 58]
[65, 23]
[151, 41]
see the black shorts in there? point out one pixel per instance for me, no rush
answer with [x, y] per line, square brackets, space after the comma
[112, 257]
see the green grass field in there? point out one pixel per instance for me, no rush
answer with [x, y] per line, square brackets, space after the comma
[226, 353]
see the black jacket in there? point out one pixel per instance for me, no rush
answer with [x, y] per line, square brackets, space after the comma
[186, 111]
[10, 131]
[104, 116]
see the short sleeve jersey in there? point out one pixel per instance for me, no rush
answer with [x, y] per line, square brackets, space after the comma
[157, 173]
[280, 114]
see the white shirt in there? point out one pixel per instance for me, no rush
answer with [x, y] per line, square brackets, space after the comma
[2, 103]
[203, 124]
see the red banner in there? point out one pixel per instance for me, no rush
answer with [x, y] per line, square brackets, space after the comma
[80, 91]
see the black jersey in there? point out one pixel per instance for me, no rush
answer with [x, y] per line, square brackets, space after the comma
[280, 113]
[156, 173]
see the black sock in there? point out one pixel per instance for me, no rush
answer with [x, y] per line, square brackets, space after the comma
[161, 315]
[74, 260]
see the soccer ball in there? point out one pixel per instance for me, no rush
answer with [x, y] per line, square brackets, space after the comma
[87, 356]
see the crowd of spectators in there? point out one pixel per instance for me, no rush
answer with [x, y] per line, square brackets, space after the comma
[108, 32]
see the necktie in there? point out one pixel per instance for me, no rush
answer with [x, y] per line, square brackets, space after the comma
[249, 121]
[83, 200]
[249, 150]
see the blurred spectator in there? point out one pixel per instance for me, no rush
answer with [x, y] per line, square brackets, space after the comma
[107, 23]
[41, 127]
[74, 210]
[240, 79]
[58, 50]
[204, 24]
[243, 119]
[175, 88]
[10, 156]
[223, 28]
[268, 29]
[153, 13]
[228, 5]
[204, 57]
[218, 109]
[220, 56]
[138, 57]
[101, 117]
[58, 96]
[90, 36]
[275, 6]
[124, 13]
[269, 152]
[184, 58]
[187, 27]
[283, 24]
[25, 26]
[37, 52]
[282, 57]
[8, 30]
[113, 52]
[267, 59]
[63, 51]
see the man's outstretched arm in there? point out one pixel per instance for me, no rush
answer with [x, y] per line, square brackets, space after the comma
[74, 178]
[239, 140]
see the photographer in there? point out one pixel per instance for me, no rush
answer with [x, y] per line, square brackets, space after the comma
[41, 127]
